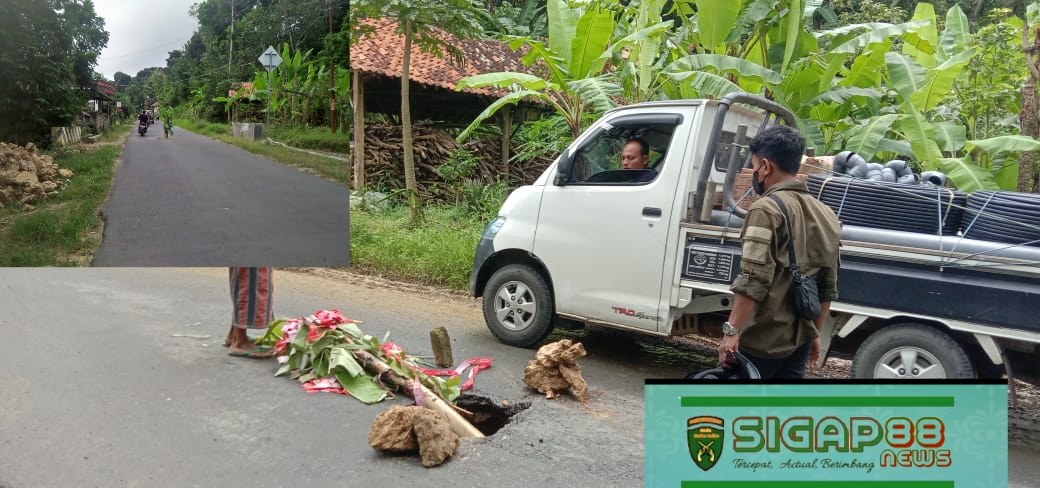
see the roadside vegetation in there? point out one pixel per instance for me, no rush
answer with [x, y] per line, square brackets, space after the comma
[65, 229]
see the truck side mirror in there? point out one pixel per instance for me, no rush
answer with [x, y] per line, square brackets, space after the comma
[563, 169]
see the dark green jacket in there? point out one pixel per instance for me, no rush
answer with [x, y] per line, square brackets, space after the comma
[774, 330]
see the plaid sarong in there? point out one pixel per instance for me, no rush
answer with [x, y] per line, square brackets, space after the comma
[252, 295]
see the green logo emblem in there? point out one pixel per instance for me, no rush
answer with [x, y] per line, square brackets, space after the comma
[704, 437]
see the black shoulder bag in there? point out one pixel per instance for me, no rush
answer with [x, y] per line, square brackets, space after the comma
[806, 295]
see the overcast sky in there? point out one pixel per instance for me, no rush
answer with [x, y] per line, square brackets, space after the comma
[135, 26]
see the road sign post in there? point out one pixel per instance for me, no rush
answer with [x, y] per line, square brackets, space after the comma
[270, 59]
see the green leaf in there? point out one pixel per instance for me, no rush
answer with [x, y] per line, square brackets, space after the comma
[340, 359]
[1007, 176]
[363, 387]
[851, 28]
[939, 81]
[906, 76]
[284, 369]
[724, 63]
[488, 112]
[861, 41]
[920, 43]
[752, 12]
[951, 135]
[351, 330]
[715, 18]
[901, 148]
[867, 67]
[503, 80]
[307, 377]
[596, 92]
[966, 175]
[841, 94]
[592, 38]
[706, 84]
[866, 138]
[919, 132]
[563, 25]
[1004, 144]
[956, 32]
[792, 25]
[835, 62]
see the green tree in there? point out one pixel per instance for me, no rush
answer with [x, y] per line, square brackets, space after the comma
[418, 22]
[574, 58]
[47, 64]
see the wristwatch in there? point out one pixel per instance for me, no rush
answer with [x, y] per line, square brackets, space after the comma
[729, 330]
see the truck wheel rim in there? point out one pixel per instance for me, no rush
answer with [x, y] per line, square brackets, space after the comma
[515, 306]
[909, 363]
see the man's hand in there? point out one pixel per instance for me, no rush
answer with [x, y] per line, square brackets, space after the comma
[814, 354]
[728, 342]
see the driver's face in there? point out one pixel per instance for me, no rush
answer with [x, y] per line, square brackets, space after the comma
[632, 156]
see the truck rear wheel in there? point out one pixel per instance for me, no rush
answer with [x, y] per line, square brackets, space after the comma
[911, 351]
[518, 308]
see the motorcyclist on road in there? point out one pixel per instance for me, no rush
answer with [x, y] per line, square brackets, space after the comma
[143, 117]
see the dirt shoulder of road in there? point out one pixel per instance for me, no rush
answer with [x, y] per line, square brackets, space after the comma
[65, 228]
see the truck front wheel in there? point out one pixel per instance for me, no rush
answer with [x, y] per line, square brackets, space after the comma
[911, 351]
[518, 307]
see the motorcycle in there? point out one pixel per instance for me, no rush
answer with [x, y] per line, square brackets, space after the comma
[142, 127]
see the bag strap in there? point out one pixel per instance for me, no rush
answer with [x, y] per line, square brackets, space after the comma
[790, 234]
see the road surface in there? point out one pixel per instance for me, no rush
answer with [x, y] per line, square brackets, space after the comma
[192, 201]
[98, 391]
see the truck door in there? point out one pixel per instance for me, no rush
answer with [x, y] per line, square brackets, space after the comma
[602, 229]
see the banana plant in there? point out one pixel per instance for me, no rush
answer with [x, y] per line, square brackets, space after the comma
[574, 60]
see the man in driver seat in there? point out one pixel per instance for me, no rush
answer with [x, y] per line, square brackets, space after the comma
[636, 155]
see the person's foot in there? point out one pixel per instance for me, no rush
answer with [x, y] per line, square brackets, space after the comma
[254, 353]
[242, 345]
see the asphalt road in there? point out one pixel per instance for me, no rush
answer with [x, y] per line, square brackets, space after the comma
[192, 201]
[98, 392]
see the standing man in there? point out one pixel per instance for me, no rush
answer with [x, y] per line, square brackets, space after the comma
[763, 324]
[167, 120]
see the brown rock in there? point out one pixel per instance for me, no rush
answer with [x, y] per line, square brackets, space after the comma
[392, 429]
[26, 178]
[65, 173]
[49, 186]
[547, 379]
[437, 442]
[554, 370]
[579, 388]
[28, 208]
[7, 177]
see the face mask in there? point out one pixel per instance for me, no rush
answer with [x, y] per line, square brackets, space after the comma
[757, 185]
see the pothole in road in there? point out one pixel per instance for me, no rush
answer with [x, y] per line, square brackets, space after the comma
[489, 416]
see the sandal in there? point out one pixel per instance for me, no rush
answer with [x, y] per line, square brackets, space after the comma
[251, 353]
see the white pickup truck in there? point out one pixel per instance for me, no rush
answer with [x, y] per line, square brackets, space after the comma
[648, 251]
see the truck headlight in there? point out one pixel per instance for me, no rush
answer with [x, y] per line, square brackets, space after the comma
[493, 227]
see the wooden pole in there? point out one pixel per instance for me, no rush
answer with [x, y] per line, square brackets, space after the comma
[359, 129]
[459, 425]
[507, 126]
[332, 79]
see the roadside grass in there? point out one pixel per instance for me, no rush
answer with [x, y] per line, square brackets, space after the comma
[439, 251]
[318, 138]
[328, 168]
[65, 228]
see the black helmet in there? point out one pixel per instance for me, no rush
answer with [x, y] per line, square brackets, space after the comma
[740, 369]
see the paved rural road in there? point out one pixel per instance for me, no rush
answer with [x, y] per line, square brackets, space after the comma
[192, 201]
[98, 392]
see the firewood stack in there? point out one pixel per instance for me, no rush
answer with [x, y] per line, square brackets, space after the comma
[384, 159]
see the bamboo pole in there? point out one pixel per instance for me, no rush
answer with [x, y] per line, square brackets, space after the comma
[459, 425]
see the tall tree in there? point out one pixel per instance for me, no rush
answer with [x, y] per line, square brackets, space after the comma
[122, 81]
[418, 22]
